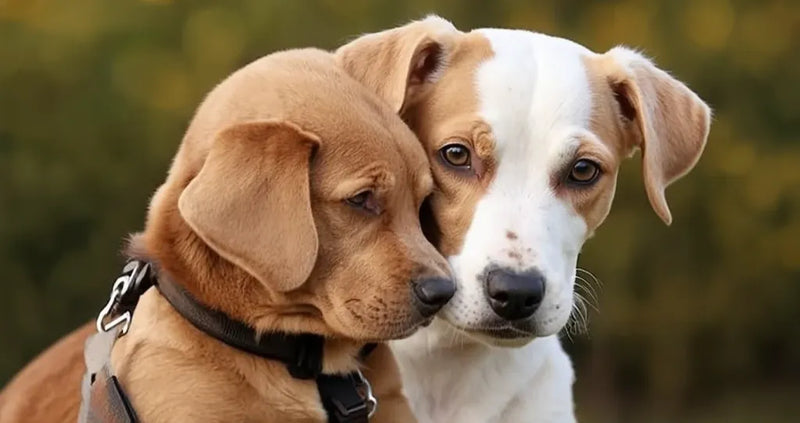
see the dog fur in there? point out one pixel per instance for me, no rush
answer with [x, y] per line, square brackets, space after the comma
[527, 107]
[256, 219]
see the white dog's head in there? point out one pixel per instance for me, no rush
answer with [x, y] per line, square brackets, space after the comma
[525, 133]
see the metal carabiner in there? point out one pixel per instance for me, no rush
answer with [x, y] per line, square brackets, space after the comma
[120, 288]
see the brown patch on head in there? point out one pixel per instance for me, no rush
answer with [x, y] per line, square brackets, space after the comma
[605, 120]
[254, 218]
[607, 145]
[636, 105]
[399, 64]
[447, 114]
[511, 235]
[441, 107]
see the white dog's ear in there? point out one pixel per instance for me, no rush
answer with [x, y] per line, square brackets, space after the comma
[398, 64]
[668, 121]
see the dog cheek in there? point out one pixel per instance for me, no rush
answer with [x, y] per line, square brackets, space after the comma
[374, 317]
[378, 304]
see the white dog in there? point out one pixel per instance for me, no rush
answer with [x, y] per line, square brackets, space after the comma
[525, 133]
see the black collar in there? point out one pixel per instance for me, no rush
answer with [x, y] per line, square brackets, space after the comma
[302, 354]
[346, 398]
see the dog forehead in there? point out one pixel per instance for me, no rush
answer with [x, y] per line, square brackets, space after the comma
[533, 90]
[308, 88]
[359, 128]
[358, 131]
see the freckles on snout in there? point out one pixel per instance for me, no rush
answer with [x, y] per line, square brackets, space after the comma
[369, 311]
[517, 253]
[379, 316]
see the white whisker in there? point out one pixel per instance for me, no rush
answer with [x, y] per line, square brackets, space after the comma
[586, 296]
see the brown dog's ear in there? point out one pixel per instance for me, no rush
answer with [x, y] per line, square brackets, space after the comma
[669, 122]
[398, 63]
[251, 201]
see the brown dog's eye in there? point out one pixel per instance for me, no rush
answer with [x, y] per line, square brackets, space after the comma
[364, 200]
[456, 155]
[584, 172]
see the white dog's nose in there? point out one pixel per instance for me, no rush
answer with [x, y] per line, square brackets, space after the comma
[512, 295]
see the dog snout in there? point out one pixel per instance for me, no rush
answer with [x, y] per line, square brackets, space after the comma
[514, 295]
[432, 293]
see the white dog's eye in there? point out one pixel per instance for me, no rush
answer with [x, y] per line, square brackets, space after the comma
[584, 172]
[456, 155]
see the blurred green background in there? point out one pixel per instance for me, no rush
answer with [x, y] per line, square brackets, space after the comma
[698, 322]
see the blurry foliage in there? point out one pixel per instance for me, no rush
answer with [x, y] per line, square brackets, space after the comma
[697, 322]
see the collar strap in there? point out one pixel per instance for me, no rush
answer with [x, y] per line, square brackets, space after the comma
[302, 353]
[346, 398]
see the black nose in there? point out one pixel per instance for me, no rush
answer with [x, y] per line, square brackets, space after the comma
[432, 294]
[512, 295]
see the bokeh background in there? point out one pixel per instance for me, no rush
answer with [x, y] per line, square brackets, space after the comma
[698, 322]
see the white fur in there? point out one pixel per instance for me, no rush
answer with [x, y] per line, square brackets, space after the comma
[536, 96]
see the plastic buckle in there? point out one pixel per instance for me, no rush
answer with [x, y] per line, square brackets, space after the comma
[141, 279]
[308, 363]
[364, 389]
[356, 413]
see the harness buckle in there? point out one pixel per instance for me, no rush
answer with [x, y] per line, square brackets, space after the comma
[365, 390]
[355, 413]
[124, 296]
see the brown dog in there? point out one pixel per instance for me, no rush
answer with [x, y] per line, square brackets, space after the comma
[292, 205]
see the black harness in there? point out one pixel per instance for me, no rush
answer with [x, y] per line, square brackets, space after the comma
[346, 398]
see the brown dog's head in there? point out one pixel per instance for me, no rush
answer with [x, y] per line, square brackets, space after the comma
[525, 133]
[293, 204]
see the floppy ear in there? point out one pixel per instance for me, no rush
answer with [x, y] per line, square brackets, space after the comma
[399, 63]
[251, 201]
[668, 121]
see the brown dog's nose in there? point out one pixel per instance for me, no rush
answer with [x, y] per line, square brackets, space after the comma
[432, 294]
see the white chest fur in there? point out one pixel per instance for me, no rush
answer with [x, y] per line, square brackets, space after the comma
[449, 379]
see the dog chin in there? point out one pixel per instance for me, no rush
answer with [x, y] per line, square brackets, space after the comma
[507, 334]
[506, 338]
[496, 336]
[401, 331]
[387, 331]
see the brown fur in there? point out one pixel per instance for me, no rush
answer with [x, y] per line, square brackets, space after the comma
[252, 221]
[652, 111]
[441, 111]
[636, 105]
[48, 388]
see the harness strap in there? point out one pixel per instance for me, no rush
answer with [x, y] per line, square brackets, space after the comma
[103, 399]
[109, 404]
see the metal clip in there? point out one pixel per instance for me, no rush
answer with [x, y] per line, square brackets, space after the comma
[131, 275]
[366, 391]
